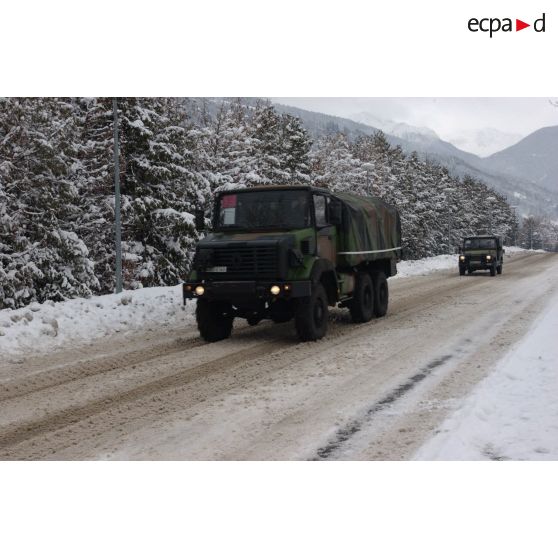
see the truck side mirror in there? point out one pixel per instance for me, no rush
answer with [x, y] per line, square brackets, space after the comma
[200, 219]
[335, 212]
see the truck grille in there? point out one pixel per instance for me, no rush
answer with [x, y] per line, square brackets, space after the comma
[246, 262]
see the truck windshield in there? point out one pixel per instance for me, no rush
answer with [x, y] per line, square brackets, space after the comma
[276, 209]
[479, 243]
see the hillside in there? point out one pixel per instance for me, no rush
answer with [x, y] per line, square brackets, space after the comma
[534, 157]
[524, 185]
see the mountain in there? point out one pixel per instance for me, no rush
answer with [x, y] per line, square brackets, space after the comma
[483, 142]
[319, 124]
[411, 138]
[534, 157]
[524, 186]
[517, 182]
[398, 129]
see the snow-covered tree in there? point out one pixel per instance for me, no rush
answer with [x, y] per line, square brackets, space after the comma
[294, 150]
[57, 198]
[41, 252]
[160, 191]
[95, 182]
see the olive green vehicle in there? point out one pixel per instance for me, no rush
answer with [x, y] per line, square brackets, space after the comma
[481, 252]
[290, 252]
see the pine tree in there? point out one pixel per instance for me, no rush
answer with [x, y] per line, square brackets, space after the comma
[225, 149]
[95, 182]
[266, 134]
[47, 259]
[294, 150]
[160, 191]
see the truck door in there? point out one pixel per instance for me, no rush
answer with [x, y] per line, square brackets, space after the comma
[326, 233]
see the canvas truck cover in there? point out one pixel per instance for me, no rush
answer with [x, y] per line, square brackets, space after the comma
[371, 230]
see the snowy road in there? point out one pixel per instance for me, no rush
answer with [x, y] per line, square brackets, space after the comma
[368, 391]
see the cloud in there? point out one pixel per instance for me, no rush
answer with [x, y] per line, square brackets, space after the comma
[447, 116]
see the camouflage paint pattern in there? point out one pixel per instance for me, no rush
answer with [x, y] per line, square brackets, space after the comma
[371, 230]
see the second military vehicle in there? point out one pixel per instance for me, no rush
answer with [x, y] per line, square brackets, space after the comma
[482, 252]
[290, 252]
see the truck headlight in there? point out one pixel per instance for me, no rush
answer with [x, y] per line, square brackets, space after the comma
[461, 258]
[488, 258]
[199, 290]
[275, 290]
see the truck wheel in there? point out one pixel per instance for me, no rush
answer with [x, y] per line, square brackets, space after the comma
[214, 324]
[362, 305]
[492, 270]
[499, 269]
[312, 314]
[461, 270]
[381, 294]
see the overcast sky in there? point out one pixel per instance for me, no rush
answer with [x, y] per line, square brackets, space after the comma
[447, 116]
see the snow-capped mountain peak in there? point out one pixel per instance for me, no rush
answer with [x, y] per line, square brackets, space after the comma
[397, 129]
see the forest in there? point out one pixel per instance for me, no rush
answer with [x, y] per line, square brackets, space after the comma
[57, 187]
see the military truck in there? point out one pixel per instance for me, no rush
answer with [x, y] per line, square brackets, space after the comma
[291, 252]
[481, 252]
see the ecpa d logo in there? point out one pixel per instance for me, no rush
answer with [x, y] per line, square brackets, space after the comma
[492, 25]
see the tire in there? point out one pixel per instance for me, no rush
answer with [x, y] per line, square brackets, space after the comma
[362, 305]
[461, 271]
[253, 320]
[311, 315]
[499, 269]
[381, 294]
[280, 312]
[492, 271]
[214, 320]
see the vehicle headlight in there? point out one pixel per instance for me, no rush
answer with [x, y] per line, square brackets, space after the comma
[461, 258]
[275, 290]
[488, 258]
[199, 290]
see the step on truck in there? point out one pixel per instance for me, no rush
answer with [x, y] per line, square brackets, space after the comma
[289, 253]
[484, 252]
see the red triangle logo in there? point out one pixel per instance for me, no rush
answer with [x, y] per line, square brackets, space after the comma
[519, 25]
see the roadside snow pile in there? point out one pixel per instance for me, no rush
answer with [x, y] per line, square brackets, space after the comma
[409, 268]
[45, 326]
[516, 250]
[513, 413]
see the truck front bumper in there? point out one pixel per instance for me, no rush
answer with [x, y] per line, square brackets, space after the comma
[238, 292]
[476, 265]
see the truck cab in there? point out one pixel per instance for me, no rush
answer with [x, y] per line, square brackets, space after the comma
[289, 252]
[481, 253]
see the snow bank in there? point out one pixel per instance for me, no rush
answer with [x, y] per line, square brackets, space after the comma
[42, 327]
[513, 413]
[517, 249]
[410, 268]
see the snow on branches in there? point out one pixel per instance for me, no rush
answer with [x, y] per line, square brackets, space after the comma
[57, 197]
